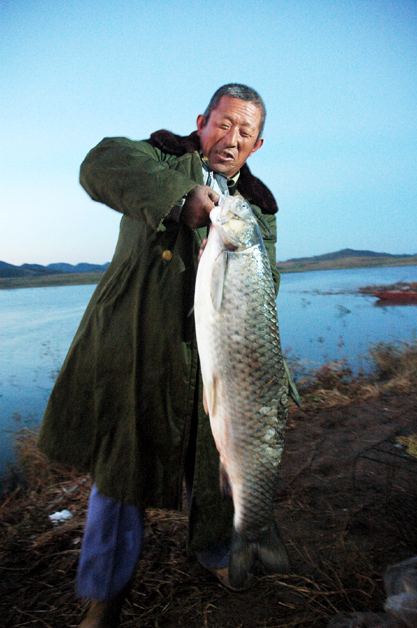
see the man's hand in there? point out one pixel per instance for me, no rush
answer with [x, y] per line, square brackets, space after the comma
[198, 205]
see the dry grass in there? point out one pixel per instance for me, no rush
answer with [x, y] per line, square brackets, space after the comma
[395, 365]
[39, 565]
[394, 369]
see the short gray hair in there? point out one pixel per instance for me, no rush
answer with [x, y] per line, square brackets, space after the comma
[237, 90]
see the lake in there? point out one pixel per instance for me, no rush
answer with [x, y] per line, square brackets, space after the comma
[321, 319]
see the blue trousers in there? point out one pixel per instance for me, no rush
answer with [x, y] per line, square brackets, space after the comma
[112, 544]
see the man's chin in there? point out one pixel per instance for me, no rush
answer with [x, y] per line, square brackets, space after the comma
[226, 169]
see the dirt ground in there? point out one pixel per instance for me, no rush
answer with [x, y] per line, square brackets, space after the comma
[343, 517]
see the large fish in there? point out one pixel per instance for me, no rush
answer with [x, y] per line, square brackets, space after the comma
[245, 380]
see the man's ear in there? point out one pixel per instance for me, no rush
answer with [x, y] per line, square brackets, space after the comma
[257, 146]
[201, 123]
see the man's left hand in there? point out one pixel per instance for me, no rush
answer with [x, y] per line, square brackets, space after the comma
[198, 205]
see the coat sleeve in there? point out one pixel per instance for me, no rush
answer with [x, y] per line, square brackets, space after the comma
[134, 178]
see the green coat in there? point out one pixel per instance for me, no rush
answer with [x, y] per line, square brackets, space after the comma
[122, 404]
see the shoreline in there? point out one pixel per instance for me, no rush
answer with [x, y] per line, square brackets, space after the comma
[82, 279]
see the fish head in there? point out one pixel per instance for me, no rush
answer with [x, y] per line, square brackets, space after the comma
[235, 223]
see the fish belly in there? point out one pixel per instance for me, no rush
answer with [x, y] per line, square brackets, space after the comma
[245, 383]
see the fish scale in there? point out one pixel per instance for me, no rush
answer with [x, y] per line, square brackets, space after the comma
[245, 383]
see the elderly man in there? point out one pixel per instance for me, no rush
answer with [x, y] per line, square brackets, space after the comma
[126, 406]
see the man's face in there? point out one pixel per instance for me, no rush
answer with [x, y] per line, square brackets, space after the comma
[229, 136]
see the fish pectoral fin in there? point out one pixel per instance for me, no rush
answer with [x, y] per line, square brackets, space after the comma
[210, 396]
[225, 486]
[217, 280]
[205, 404]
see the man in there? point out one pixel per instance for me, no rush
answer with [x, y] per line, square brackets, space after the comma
[126, 406]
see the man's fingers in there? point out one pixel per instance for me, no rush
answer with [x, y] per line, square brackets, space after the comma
[214, 196]
[198, 205]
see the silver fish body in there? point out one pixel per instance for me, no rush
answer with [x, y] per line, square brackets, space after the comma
[245, 382]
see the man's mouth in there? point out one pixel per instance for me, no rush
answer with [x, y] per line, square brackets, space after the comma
[225, 155]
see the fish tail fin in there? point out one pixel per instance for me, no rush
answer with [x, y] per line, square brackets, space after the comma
[242, 556]
[269, 549]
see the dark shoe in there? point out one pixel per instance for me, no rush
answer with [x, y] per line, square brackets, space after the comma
[103, 614]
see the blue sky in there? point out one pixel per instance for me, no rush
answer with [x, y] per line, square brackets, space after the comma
[338, 77]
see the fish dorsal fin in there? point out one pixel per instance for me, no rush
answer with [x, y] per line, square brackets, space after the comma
[217, 280]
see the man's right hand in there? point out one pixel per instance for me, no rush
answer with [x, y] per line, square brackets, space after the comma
[198, 205]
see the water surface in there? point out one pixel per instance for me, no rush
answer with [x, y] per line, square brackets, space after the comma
[322, 319]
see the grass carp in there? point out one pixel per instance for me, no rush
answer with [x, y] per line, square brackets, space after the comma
[245, 380]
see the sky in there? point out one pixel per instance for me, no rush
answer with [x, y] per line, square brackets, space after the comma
[339, 79]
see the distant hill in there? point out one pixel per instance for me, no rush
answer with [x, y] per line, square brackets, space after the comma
[36, 270]
[79, 268]
[346, 258]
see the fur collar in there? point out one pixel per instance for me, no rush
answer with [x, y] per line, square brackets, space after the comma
[249, 186]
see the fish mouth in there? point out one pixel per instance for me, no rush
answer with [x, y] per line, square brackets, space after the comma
[232, 223]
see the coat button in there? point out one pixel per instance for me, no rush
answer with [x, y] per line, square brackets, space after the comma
[167, 255]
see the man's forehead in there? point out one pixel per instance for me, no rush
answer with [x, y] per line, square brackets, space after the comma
[231, 108]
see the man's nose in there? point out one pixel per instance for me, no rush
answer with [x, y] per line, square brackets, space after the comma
[232, 137]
